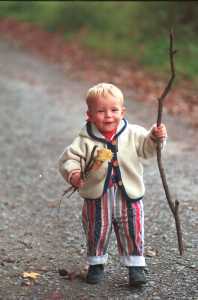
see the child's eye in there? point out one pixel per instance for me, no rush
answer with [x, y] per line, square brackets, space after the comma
[100, 111]
[115, 109]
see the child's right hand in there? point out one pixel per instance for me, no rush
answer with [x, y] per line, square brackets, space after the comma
[76, 180]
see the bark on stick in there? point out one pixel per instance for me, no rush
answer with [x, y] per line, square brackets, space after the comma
[174, 206]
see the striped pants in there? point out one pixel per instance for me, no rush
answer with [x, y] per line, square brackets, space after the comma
[127, 219]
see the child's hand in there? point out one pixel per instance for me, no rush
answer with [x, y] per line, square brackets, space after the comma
[76, 180]
[159, 132]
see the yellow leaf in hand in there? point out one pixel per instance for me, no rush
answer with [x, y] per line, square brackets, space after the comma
[104, 154]
[31, 275]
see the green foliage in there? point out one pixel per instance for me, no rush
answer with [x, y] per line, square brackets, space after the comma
[122, 29]
[110, 46]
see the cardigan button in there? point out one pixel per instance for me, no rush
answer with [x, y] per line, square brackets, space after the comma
[115, 163]
[120, 182]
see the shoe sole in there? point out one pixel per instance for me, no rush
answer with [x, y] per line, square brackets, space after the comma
[92, 281]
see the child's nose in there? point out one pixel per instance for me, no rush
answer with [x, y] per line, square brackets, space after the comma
[108, 113]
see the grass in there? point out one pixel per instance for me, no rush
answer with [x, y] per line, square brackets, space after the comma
[151, 54]
[108, 45]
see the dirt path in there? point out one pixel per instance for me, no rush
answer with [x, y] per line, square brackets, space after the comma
[41, 111]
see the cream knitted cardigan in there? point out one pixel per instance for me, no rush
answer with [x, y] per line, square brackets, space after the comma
[134, 143]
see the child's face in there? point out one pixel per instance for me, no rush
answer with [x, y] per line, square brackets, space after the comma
[106, 112]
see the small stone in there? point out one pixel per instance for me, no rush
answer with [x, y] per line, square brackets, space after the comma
[193, 266]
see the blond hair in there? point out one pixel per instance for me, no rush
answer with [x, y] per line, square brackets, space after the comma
[102, 89]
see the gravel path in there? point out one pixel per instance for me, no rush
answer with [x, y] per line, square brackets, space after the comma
[42, 108]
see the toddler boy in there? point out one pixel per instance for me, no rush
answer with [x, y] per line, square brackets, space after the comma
[104, 164]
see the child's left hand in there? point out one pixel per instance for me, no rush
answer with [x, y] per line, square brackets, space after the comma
[159, 132]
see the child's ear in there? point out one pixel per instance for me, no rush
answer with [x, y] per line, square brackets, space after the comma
[88, 115]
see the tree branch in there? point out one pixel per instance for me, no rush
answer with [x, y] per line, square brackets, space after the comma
[174, 206]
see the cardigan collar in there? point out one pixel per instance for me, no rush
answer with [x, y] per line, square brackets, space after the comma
[94, 133]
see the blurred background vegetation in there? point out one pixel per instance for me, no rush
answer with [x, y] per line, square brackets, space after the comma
[121, 29]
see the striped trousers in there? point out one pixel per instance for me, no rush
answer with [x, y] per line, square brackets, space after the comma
[113, 210]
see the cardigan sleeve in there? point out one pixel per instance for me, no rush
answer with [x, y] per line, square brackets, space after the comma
[69, 160]
[145, 142]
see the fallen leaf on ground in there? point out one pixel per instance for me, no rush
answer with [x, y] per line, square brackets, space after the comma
[150, 252]
[71, 275]
[31, 275]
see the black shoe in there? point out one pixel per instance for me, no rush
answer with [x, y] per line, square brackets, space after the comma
[95, 273]
[136, 276]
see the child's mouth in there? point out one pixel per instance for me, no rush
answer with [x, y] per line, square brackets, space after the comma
[109, 123]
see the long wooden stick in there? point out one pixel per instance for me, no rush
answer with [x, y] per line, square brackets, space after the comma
[174, 206]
